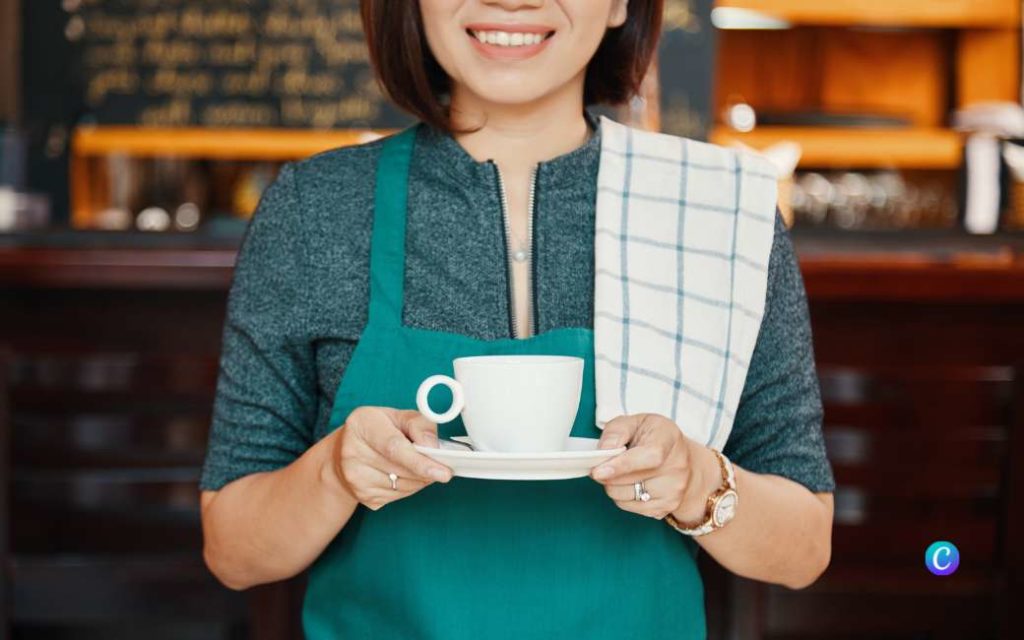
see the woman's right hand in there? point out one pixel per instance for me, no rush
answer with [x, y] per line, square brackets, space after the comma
[375, 441]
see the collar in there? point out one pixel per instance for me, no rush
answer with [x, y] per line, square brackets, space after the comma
[446, 157]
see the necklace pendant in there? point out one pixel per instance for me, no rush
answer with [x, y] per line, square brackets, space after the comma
[520, 255]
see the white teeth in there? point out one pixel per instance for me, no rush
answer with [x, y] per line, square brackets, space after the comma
[508, 38]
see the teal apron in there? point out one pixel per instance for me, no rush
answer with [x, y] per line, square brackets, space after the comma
[485, 559]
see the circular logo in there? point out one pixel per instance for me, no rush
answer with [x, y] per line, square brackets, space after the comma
[942, 558]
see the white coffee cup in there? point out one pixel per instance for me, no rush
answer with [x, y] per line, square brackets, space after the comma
[514, 403]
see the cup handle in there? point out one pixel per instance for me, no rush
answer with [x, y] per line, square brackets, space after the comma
[458, 399]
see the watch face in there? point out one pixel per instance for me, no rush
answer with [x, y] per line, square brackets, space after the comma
[725, 510]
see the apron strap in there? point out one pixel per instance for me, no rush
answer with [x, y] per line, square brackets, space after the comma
[387, 246]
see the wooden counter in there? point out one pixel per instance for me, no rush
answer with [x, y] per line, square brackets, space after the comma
[934, 266]
[920, 353]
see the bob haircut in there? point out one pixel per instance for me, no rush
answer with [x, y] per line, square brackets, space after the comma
[415, 81]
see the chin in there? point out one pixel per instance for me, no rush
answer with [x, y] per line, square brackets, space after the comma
[509, 92]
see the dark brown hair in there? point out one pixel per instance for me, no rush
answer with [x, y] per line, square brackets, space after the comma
[413, 79]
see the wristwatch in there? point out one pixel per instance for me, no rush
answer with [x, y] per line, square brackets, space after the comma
[721, 504]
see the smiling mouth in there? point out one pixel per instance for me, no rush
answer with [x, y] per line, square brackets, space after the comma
[509, 38]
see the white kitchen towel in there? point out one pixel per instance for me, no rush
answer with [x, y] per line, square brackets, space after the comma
[683, 234]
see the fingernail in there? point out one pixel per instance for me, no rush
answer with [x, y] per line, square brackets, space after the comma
[438, 474]
[610, 442]
[603, 471]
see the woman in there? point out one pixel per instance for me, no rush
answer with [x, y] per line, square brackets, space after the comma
[473, 232]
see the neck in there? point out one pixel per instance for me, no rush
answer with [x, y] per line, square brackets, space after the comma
[519, 136]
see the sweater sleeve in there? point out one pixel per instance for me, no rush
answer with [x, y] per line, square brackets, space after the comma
[778, 424]
[265, 404]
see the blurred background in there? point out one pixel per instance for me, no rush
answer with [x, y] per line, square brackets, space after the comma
[137, 136]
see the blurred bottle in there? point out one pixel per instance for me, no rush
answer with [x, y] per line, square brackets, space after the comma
[122, 188]
[885, 199]
[19, 210]
[252, 182]
[174, 195]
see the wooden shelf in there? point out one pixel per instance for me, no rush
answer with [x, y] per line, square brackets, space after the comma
[915, 148]
[95, 268]
[229, 144]
[917, 274]
[910, 13]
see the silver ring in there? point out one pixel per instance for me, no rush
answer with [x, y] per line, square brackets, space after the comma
[394, 480]
[640, 492]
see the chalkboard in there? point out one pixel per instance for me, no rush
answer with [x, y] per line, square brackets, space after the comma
[295, 63]
[298, 63]
[198, 63]
[229, 63]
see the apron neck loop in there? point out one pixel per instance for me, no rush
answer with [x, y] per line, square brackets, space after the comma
[387, 248]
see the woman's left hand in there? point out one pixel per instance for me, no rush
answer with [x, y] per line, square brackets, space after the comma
[675, 470]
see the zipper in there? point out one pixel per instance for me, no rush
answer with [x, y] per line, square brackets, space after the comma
[506, 231]
[534, 316]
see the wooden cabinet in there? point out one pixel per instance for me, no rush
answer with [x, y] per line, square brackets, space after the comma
[111, 373]
[918, 60]
[109, 381]
[923, 393]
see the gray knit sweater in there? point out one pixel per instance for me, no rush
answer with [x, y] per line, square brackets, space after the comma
[299, 300]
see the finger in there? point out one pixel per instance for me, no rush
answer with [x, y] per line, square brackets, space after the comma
[374, 478]
[622, 492]
[624, 497]
[404, 484]
[371, 464]
[619, 431]
[657, 510]
[395, 446]
[633, 464]
[659, 488]
[379, 492]
[374, 428]
[634, 476]
[418, 428]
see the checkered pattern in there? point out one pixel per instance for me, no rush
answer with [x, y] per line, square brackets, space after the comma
[684, 231]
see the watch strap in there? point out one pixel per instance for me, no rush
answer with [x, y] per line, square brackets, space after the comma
[708, 524]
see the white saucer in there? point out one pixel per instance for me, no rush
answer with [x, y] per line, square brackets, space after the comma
[581, 455]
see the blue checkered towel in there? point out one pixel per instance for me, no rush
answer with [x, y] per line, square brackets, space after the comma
[684, 230]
